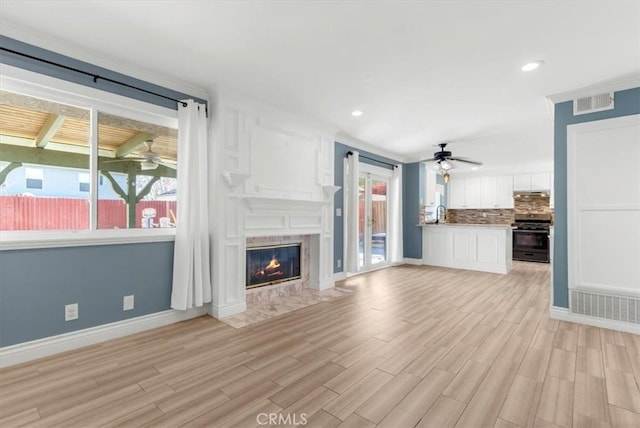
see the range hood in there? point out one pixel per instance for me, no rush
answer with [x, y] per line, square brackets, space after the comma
[529, 194]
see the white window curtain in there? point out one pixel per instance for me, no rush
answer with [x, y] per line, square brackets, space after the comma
[352, 171]
[191, 262]
[395, 217]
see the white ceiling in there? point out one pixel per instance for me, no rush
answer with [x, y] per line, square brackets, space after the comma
[422, 72]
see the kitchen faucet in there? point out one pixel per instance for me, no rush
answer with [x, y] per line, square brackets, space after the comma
[444, 217]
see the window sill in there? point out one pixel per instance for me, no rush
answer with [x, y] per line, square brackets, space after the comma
[20, 240]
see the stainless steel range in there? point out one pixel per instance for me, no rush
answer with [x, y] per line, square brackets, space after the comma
[531, 237]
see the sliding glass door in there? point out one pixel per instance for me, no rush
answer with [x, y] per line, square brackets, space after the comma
[372, 221]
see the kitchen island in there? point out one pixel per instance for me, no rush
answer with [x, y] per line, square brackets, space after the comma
[481, 247]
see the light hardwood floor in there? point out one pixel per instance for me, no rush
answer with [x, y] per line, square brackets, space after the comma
[412, 346]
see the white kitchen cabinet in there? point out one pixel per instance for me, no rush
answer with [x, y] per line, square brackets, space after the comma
[532, 182]
[489, 192]
[551, 191]
[504, 191]
[540, 181]
[456, 193]
[522, 182]
[473, 193]
[497, 192]
[430, 188]
[486, 248]
[465, 193]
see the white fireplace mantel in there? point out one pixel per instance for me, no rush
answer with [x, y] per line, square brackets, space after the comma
[263, 189]
[262, 204]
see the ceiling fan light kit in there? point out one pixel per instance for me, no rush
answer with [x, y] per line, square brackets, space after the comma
[444, 160]
[148, 165]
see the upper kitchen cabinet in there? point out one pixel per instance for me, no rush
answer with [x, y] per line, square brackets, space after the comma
[532, 182]
[497, 192]
[540, 182]
[430, 188]
[465, 193]
[456, 193]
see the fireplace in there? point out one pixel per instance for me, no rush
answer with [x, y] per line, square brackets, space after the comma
[273, 264]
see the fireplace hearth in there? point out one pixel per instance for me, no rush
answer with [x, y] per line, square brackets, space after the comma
[273, 264]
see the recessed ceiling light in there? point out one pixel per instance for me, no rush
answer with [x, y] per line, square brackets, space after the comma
[356, 113]
[474, 168]
[532, 65]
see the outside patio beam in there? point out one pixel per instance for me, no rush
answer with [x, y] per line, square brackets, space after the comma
[133, 143]
[49, 129]
[34, 155]
[7, 169]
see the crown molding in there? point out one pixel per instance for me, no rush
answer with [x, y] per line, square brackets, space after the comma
[344, 138]
[81, 53]
[620, 84]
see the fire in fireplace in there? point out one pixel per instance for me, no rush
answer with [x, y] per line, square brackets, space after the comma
[273, 264]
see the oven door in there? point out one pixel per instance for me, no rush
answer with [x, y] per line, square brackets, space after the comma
[531, 245]
[531, 240]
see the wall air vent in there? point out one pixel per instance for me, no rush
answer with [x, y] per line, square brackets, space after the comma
[593, 103]
[616, 308]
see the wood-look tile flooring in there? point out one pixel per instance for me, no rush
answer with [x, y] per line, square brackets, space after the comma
[412, 346]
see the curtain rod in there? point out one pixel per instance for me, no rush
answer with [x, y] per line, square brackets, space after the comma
[95, 76]
[349, 153]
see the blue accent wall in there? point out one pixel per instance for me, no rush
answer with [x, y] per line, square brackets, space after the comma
[626, 103]
[81, 79]
[340, 154]
[412, 191]
[36, 284]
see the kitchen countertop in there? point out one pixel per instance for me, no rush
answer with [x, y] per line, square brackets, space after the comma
[484, 226]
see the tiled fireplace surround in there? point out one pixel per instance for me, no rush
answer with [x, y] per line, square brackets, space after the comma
[266, 292]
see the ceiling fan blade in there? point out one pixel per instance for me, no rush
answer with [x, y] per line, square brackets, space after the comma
[429, 160]
[465, 161]
[167, 164]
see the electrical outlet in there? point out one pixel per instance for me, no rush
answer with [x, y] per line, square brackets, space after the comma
[484, 215]
[127, 303]
[71, 312]
[338, 212]
[339, 263]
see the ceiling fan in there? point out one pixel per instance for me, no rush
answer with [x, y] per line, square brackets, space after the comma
[148, 160]
[443, 158]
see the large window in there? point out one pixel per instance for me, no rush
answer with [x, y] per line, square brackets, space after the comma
[84, 166]
[142, 175]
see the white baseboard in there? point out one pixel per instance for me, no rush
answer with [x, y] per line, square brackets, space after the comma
[228, 309]
[563, 314]
[339, 276]
[27, 351]
[325, 285]
[410, 261]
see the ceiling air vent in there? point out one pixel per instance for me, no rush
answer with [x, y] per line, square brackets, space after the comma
[593, 103]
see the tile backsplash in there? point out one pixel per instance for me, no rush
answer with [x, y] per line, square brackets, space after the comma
[522, 205]
[481, 216]
[532, 204]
